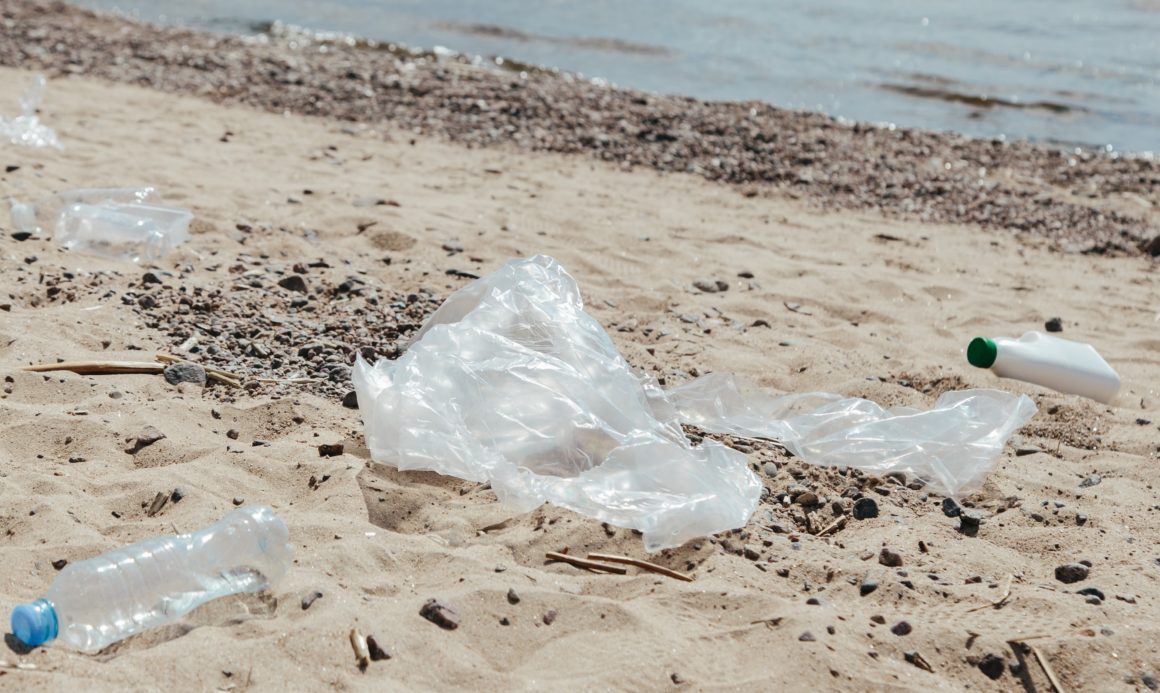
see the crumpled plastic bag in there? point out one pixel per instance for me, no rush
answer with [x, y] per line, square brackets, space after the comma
[26, 128]
[512, 382]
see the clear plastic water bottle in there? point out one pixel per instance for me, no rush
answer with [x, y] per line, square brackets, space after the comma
[135, 232]
[42, 216]
[95, 603]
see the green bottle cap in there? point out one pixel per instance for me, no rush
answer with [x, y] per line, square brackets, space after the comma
[981, 352]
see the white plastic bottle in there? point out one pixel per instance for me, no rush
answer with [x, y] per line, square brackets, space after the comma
[100, 601]
[135, 232]
[42, 216]
[1038, 358]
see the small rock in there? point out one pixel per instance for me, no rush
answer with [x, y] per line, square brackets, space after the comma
[1090, 481]
[293, 282]
[512, 597]
[814, 601]
[1129, 598]
[709, 286]
[550, 617]
[901, 628]
[1092, 592]
[238, 501]
[1071, 572]
[751, 552]
[889, 558]
[970, 520]
[879, 619]
[178, 373]
[375, 650]
[950, 508]
[745, 274]
[868, 585]
[350, 400]
[676, 678]
[1053, 325]
[770, 469]
[232, 434]
[1025, 450]
[309, 599]
[865, 509]
[807, 637]
[992, 666]
[60, 563]
[148, 436]
[330, 449]
[176, 495]
[807, 498]
[440, 614]
[505, 621]
[1149, 679]
[453, 247]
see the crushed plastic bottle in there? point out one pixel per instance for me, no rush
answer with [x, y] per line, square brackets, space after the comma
[42, 216]
[1038, 358]
[95, 603]
[26, 128]
[136, 232]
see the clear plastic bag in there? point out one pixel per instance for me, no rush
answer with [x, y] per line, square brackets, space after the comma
[26, 128]
[511, 382]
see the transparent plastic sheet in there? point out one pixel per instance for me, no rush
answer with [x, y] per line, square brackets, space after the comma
[512, 382]
[26, 128]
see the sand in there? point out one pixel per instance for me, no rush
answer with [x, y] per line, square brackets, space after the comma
[852, 302]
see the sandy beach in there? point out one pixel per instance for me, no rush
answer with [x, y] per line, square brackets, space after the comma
[382, 220]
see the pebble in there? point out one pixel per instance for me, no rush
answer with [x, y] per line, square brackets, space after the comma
[770, 469]
[992, 666]
[293, 282]
[807, 637]
[550, 617]
[889, 558]
[442, 615]
[60, 563]
[807, 498]
[950, 508]
[1092, 592]
[1053, 325]
[232, 434]
[375, 650]
[148, 436]
[709, 286]
[901, 628]
[350, 400]
[150, 278]
[879, 619]
[1147, 678]
[453, 247]
[330, 449]
[238, 500]
[512, 597]
[868, 585]
[676, 678]
[505, 621]
[1091, 480]
[751, 552]
[1129, 598]
[865, 509]
[178, 373]
[1025, 450]
[1071, 572]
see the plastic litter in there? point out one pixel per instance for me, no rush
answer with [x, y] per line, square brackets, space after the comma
[125, 223]
[512, 382]
[1059, 364]
[95, 603]
[26, 128]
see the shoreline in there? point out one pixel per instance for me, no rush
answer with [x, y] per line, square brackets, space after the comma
[1084, 202]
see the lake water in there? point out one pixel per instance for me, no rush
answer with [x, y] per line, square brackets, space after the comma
[1062, 72]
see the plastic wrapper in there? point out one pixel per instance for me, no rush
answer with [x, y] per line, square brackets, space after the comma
[512, 382]
[26, 128]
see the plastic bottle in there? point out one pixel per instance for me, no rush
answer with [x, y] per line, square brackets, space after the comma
[42, 216]
[133, 232]
[1059, 364]
[100, 601]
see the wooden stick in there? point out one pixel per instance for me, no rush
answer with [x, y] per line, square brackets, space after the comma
[581, 563]
[643, 565]
[840, 523]
[1002, 600]
[1042, 659]
[99, 367]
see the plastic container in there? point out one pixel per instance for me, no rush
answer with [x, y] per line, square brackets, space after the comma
[100, 601]
[135, 232]
[42, 216]
[1055, 363]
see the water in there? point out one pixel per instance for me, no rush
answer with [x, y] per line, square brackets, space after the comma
[1055, 71]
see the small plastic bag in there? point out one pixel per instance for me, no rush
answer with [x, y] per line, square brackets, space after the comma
[511, 382]
[26, 128]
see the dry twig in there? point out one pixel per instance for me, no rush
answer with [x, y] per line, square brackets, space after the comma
[99, 367]
[1002, 600]
[642, 564]
[840, 523]
[1041, 658]
[581, 563]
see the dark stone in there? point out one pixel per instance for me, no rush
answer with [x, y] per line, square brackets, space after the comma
[676, 678]
[505, 621]
[1071, 572]
[992, 666]
[178, 373]
[550, 617]
[22, 235]
[865, 509]
[751, 553]
[148, 436]
[890, 559]
[1053, 325]
[512, 597]
[807, 637]
[950, 508]
[709, 286]
[60, 563]
[1091, 592]
[350, 400]
[150, 278]
[293, 282]
[901, 628]
[330, 449]
[440, 614]
[176, 495]
[1147, 678]
[869, 584]
[1091, 480]
[232, 434]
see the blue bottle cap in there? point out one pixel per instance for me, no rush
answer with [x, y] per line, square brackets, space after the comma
[35, 624]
